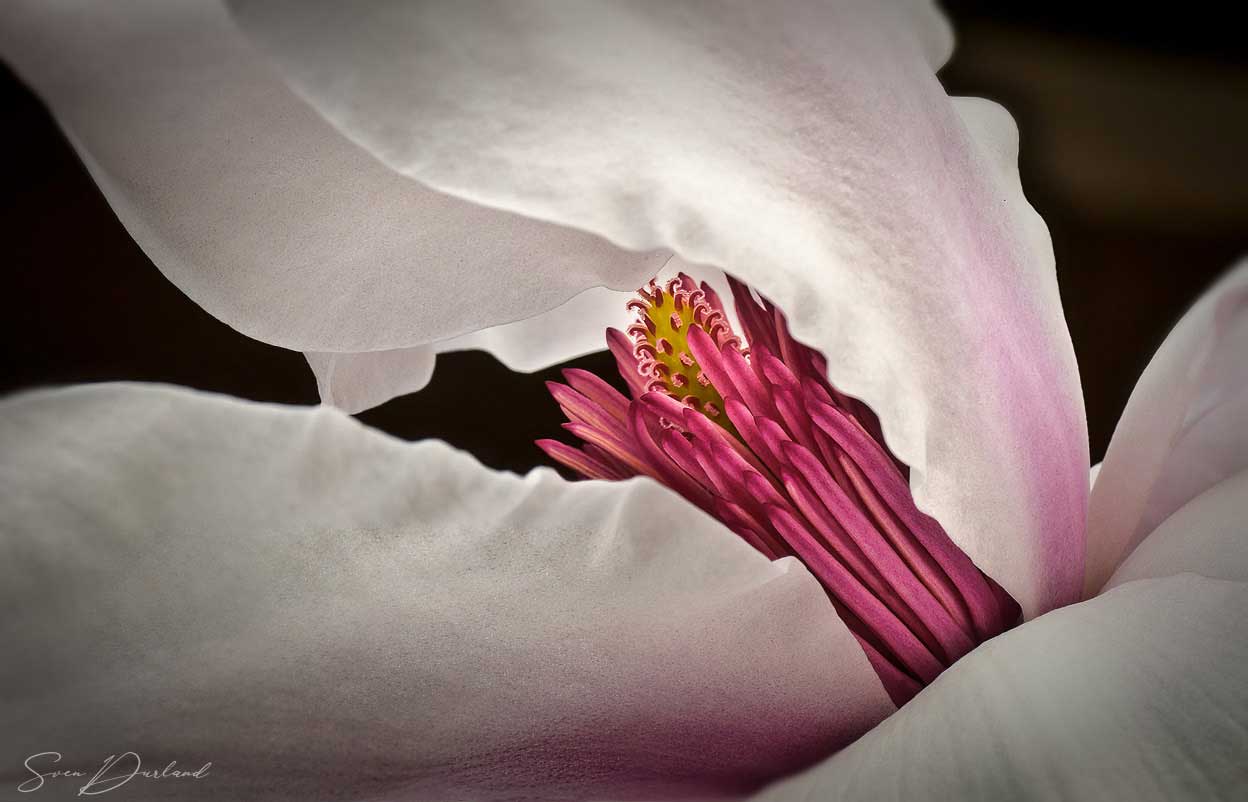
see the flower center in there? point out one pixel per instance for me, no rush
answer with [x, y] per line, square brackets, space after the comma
[757, 437]
[661, 342]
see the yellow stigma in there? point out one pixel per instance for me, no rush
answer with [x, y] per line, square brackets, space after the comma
[661, 345]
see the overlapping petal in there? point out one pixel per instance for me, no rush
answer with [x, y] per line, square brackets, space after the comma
[355, 382]
[1207, 536]
[1137, 694]
[269, 218]
[805, 147]
[325, 612]
[1184, 429]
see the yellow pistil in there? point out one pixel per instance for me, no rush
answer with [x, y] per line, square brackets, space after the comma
[660, 337]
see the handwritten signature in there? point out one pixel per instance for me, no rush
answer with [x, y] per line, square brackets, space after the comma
[116, 771]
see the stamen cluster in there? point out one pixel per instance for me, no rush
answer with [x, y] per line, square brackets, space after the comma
[754, 434]
[664, 362]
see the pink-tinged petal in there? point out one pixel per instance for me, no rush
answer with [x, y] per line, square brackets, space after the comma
[278, 225]
[806, 149]
[325, 612]
[1206, 536]
[1138, 694]
[1184, 429]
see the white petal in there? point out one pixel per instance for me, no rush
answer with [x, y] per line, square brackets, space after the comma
[355, 382]
[326, 612]
[264, 214]
[575, 328]
[1140, 694]
[806, 148]
[572, 329]
[1184, 429]
[1206, 536]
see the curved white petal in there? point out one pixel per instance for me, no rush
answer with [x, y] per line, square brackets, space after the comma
[263, 213]
[805, 147]
[1184, 429]
[355, 382]
[1206, 536]
[1140, 694]
[577, 327]
[325, 612]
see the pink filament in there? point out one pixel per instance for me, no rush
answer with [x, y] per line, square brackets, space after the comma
[807, 475]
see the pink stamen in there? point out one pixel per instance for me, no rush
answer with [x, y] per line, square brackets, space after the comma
[788, 463]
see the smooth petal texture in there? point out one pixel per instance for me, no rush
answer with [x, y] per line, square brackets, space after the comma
[1184, 429]
[804, 147]
[356, 382]
[263, 213]
[1207, 536]
[328, 613]
[360, 381]
[1138, 695]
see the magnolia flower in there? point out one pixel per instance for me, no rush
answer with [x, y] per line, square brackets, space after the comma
[324, 612]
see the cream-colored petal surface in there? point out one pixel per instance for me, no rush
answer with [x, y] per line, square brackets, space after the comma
[1184, 429]
[805, 147]
[1207, 536]
[1140, 694]
[356, 382]
[328, 613]
[263, 213]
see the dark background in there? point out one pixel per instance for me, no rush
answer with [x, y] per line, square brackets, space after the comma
[1134, 125]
